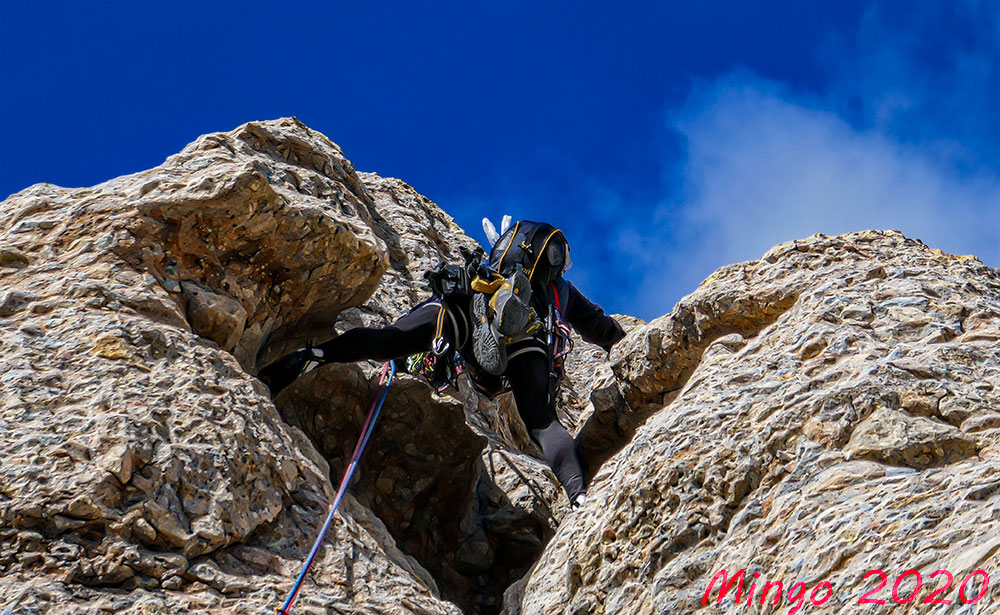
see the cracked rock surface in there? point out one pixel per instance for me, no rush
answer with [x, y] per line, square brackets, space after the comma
[827, 410]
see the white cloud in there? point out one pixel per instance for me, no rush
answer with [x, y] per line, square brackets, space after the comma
[892, 141]
[764, 168]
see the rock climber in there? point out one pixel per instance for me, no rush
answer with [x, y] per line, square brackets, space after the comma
[504, 320]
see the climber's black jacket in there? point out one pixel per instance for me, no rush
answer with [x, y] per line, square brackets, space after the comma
[413, 332]
[586, 317]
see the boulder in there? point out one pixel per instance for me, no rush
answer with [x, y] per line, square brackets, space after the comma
[145, 468]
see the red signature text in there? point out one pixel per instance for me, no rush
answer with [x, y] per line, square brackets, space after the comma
[905, 588]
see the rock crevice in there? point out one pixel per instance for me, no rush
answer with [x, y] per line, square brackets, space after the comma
[826, 410]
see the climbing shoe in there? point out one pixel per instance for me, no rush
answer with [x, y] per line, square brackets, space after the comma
[487, 345]
[579, 501]
[509, 305]
[288, 368]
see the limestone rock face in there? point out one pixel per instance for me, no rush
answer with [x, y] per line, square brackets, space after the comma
[458, 483]
[419, 470]
[144, 468]
[418, 235]
[825, 411]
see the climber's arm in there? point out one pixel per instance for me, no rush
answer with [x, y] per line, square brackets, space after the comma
[590, 321]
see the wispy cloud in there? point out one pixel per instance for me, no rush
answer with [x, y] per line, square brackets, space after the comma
[900, 133]
[897, 141]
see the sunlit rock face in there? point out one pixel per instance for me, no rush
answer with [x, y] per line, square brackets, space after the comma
[825, 411]
[146, 470]
[144, 467]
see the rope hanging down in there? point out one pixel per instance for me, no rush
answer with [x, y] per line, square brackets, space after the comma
[366, 432]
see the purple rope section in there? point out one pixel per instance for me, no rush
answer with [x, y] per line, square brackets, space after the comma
[366, 432]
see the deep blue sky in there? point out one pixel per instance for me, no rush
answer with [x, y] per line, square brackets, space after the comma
[667, 139]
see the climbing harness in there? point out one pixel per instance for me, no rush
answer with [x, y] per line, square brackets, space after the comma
[562, 345]
[439, 366]
[388, 372]
[558, 344]
[440, 345]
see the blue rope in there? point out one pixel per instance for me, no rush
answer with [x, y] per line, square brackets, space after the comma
[370, 427]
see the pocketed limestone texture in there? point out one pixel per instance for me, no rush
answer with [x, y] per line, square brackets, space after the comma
[827, 410]
[144, 468]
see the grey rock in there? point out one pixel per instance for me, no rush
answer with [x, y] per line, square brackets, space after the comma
[13, 301]
[897, 438]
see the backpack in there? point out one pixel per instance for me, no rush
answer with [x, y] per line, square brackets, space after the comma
[539, 248]
[527, 257]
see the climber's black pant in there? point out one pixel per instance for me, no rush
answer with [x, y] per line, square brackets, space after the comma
[528, 375]
[411, 334]
[527, 372]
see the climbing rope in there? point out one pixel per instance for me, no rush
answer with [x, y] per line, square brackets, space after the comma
[388, 371]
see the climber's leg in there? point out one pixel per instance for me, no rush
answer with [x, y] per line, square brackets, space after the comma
[412, 333]
[528, 374]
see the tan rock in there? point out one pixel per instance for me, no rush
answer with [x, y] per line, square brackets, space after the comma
[135, 313]
[827, 410]
[898, 438]
[129, 435]
[217, 317]
[852, 347]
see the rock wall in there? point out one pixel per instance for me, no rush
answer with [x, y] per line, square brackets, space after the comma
[456, 481]
[827, 410]
[144, 468]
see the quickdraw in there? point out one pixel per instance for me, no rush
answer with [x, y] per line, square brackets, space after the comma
[441, 372]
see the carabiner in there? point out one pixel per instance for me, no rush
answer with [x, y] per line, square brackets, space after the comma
[440, 346]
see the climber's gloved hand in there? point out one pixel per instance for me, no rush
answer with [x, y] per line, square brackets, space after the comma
[607, 347]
